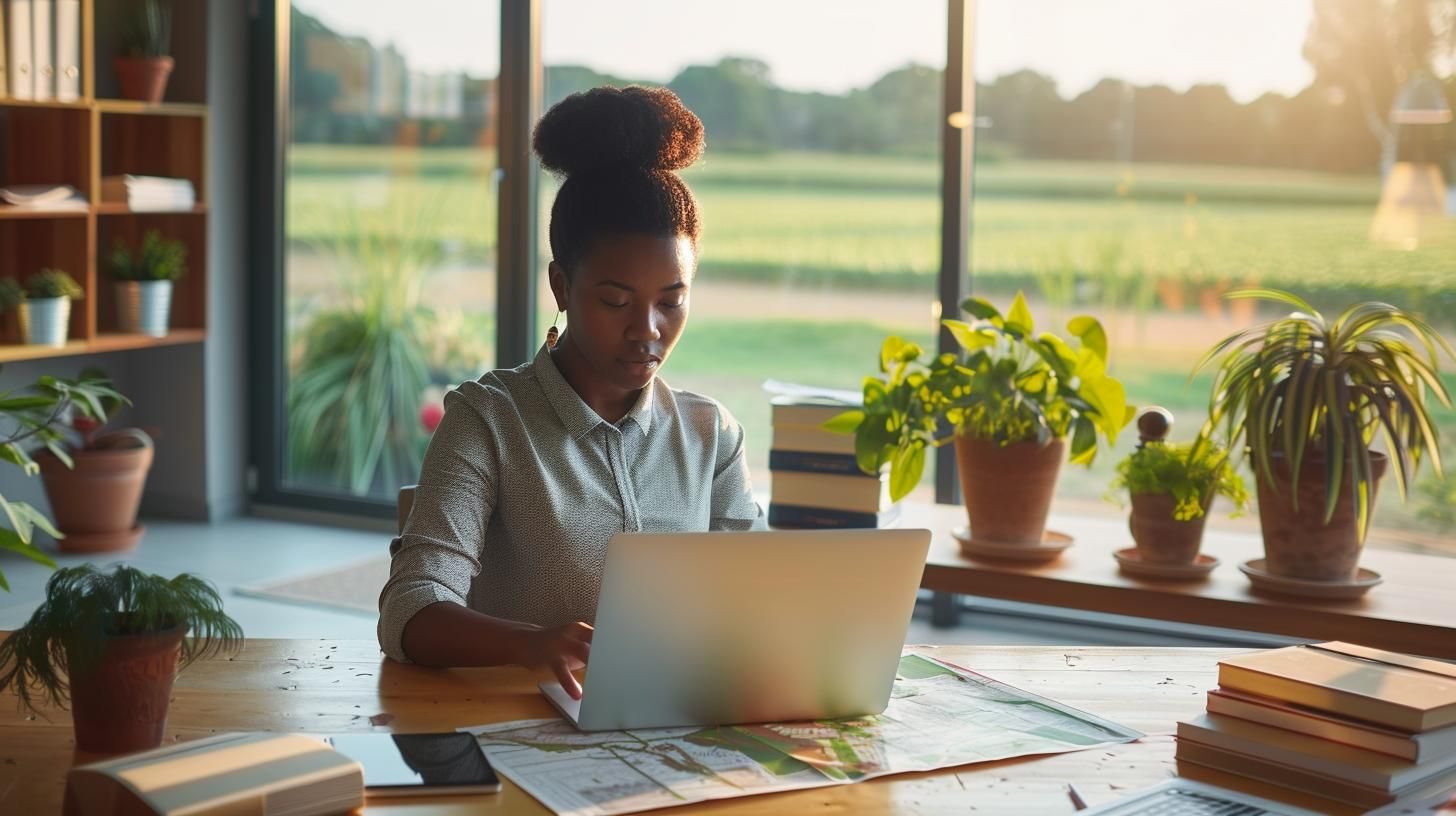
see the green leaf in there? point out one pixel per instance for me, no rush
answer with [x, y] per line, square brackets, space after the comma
[980, 308]
[969, 337]
[905, 469]
[1277, 295]
[12, 542]
[1019, 318]
[1089, 331]
[845, 423]
[1084, 442]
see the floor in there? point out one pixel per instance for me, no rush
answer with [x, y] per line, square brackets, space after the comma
[246, 551]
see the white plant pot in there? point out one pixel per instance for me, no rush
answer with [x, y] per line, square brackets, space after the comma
[144, 307]
[45, 321]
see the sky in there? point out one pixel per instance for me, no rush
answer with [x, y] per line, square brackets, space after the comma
[1250, 46]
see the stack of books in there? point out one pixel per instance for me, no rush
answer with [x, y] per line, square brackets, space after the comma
[149, 193]
[1345, 722]
[816, 481]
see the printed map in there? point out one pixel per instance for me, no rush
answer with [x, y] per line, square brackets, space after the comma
[939, 716]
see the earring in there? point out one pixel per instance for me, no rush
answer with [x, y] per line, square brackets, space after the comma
[552, 333]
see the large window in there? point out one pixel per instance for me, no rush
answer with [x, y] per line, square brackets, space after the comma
[389, 236]
[819, 190]
[1138, 160]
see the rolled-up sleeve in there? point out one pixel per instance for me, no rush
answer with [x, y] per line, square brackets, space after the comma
[437, 555]
[733, 506]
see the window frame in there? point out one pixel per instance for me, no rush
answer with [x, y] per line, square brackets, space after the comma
[521, 85]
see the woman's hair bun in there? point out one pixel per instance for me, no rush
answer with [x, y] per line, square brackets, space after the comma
[647, 128]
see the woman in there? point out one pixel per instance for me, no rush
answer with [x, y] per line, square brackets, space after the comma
[533, 469]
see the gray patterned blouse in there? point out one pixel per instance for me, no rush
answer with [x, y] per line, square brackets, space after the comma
[523, 484]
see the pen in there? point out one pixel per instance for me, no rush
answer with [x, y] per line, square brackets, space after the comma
[1077, 801]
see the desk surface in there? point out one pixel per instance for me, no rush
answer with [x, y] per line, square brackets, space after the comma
[323, 686]
[1410, 612]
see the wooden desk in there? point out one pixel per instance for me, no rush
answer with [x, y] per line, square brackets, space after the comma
[325, 686]
[1412, 611]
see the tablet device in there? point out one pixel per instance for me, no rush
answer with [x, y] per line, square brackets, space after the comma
[419, 764]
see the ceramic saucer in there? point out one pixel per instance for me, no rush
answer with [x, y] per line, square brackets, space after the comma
[1131, 562]
[1262, 579]
[1052, 545]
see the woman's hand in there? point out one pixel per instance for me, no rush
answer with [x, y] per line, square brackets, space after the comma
[563, 649]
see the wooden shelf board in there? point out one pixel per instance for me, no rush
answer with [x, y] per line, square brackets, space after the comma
[117, 208]
[49, 103]
[100, 344]
[160, 109]
[25, 213]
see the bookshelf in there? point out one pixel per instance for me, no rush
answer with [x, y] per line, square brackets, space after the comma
[77, 143]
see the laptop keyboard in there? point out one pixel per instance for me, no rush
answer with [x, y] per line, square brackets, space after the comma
[1188, 803]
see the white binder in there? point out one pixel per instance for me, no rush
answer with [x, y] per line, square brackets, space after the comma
[68, 50]
[22, 79]
[42, 15]
[4, 60]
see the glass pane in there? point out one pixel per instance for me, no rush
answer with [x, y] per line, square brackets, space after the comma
[390, 233]
[819, 190]
[1137, 161]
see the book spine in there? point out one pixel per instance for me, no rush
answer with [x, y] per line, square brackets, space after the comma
[1314, 725]
[803, 462]
[41, 18]
[1320, 698]
[22, 78]
[1283, 776]
[4, 56]
[68, 50]
[788, 515]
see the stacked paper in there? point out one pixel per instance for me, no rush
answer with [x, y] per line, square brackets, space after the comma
[149, 193]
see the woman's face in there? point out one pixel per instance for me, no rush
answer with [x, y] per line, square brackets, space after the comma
[626, 304]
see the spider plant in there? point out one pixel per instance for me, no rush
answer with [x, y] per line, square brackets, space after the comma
[1308, 388]
[85, 606]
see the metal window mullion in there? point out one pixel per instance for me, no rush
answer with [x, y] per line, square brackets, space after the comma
[957, 127]
[520, 90]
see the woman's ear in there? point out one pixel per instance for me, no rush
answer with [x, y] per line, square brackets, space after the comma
[557, 276]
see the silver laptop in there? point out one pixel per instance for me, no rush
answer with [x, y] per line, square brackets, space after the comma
[718, 628]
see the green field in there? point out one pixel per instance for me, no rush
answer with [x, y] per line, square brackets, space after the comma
[792, 230]
[874, 220]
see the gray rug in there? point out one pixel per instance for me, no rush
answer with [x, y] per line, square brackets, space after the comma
[354, 587]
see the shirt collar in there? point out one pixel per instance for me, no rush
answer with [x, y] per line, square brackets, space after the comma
[575, 414]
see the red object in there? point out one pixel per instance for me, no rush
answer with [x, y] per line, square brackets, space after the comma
[85, 424]
[430, 415]
[120, 705]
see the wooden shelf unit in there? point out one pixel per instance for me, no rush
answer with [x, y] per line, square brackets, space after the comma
[77, 143]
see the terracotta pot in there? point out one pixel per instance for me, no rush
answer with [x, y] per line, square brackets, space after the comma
[95, 504]
[1298, 543]
[119, 705]
[1008, 490]
[143, 78]
[1160, 538]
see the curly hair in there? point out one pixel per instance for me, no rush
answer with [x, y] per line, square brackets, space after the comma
[617, 150]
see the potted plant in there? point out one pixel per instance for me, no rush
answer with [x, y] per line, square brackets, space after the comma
[1013, 401]
[45, 315]
[94, 480]
[36, 415]
[1309, 395]
[144, 283]
[111, 642]
[1172, 487]
[146, 39]
[12, 295]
